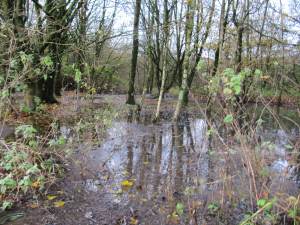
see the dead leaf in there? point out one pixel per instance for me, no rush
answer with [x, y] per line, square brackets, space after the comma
[36, 184]
[173, 218]
[51, 197]
[34, 205]
[133, 221]
[127, 184]
[59, 204]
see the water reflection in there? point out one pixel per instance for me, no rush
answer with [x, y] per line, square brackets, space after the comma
[170, 163]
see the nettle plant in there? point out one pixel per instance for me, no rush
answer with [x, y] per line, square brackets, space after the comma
[23, 165]
[233, 82]
[230, 85]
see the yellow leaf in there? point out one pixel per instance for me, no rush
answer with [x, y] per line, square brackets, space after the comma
[174, 218]
[59, 204]
[133, 221]
[127, 184]
[36, 184]
[51, 197]
[34, 205]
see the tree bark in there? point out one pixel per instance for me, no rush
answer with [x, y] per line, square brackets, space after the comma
[166, 28]
[135, 48]
[192, 72]
[188, 52]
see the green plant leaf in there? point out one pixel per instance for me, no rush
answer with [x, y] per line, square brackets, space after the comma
[261, 202]
[179, 208]
[33, 170]
[228, 118]
[6, 205]
[47, 61]
[77, 75]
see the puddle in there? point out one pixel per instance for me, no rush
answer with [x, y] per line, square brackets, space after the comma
[144, 172]
[170, 164]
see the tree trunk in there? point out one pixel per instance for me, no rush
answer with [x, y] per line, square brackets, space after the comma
[192, 72]
[166, 29]
[188, 52]
[222, 30]
[57, 22]
[135, 48]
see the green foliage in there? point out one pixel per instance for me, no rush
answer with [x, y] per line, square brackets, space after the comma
[228, 119]
[213, 207]
[6, 205]
[78, 76]
[24, 166]
[233, 82]
[61, 141]
[200, 65]
[25, 170]
[4, 94]
[27, 131]
[47, 61]
[26, 58]
[179, 208]
[210, 132]
[258, 73]
[13, 161]
[7, 184]
[264, 213]
[262, 202]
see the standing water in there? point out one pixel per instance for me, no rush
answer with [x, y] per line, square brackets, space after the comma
[167, 173]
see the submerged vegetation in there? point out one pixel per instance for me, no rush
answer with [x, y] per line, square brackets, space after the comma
[149, 112]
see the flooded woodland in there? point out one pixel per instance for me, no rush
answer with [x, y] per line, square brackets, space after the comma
[149, 112]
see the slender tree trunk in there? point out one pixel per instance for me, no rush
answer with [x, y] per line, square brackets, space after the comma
[188, 52]
[135, 48]
[192, 72]
[166, 29]
[222, 31]
[82, 28]
[150, 49]
[239, 49]
[148, 83]
[281, 79]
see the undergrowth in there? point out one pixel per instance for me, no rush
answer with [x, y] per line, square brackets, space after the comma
[33, 160]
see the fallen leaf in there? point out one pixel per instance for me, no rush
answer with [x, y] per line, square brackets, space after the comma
[133, 221]
[34, 205]
[173, 218]
[51, 197]
[126, 185]
[59, 204]
[36, 184]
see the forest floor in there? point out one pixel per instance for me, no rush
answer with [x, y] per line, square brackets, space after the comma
[123, 169]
